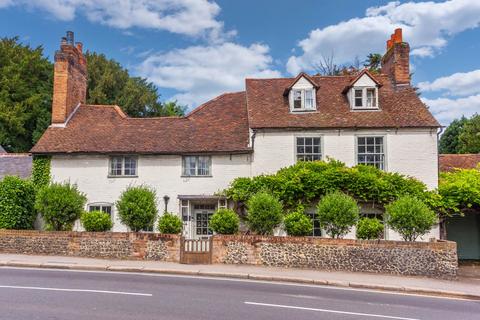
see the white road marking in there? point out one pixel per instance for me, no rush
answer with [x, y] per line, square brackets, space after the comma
[79, 290]
[327, 310]
[171, 275]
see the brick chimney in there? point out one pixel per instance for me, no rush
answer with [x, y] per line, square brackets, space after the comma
[70, 79]
[396, 61]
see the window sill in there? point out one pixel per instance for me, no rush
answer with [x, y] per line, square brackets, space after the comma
[182, 176]
[366, 109]
[303, 111]
[113, 177]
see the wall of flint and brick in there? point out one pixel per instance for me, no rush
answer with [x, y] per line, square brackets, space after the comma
[116, 245]
[433, 259]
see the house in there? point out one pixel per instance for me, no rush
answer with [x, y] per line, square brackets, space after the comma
[373, 119]
[463, 229]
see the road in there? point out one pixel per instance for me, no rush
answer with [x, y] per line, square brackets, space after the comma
[67, 294]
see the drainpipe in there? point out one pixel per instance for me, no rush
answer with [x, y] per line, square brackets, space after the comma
[442, 224]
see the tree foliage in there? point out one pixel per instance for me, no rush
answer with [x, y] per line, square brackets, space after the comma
[460, 190]
[137, 208]
[224, 221]
[25, 94]
[298, 224]
[17, 199]
[110, 83]
[373, 62]
[449, 141]
[469, 137]
[60, 204]
[41, 171]
[96, 221]
[337, 213]
[410, 217]
[369, 228]
[170, 223]
[265, 213]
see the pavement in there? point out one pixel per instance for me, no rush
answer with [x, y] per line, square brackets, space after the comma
[464, 287]
[29, 293]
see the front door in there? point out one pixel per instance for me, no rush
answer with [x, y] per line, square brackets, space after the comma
[202, 214]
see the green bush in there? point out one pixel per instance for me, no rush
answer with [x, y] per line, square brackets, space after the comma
[40, 171]
[137, 208]
[410, 217]
[337, 213]
[369, 228]
[264, 213]
[17, 200]
[170, 223]
[60, 204]
[224, 221]
[96, 221]
[298, 224]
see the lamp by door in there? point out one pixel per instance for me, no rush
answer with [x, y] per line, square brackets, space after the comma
[166, 199]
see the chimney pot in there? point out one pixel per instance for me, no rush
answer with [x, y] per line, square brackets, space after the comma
[398, 35]
[79, 46]
[396, 61]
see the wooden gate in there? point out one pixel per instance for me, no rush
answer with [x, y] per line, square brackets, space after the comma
[196, 251]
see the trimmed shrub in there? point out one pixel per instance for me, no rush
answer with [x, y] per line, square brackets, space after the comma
[137, 208]
[224, 221]
[337, 214]
[410, 217]
[264, 213]
[170, 223]
[96, 221]
[369, 228]
[298, 224]
[60, 204]
[17, 200]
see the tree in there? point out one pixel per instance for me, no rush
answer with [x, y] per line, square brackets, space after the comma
[264, 213]
[337, 213]
[297, 223]
[17, 199]
[109, 83]
[96, 221]
[25, 94]
[369, 228]
[170, 223]
[326, 66]
[137, 208]
[60, 204]
[373, 62]
[469, 139]
[224, 221]
[410, 217]
[449, 141]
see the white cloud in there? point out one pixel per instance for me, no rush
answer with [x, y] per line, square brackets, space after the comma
[445, 109]
[200, 73]
[457, 84]
[189, 17]
[427, 26]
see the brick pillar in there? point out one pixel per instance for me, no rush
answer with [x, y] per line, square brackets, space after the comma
[70, 79]
[396, 61]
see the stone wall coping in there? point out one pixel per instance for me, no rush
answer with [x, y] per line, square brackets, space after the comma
[252, 239]
[85, 234]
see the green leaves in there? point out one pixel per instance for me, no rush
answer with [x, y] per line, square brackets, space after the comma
[337, 214]
[137, 208]
[96, 221]
[297, 223]
[265, 213]
[17, 198]
[410, 217]
[60, 204]
[224, 221]
[170, 223]
[461, 136]
[460, 190]
[369, 228]
[41, 171]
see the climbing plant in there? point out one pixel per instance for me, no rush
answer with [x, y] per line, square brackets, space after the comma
[41, 171]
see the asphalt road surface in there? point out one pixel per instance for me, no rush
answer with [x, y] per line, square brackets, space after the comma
[76, 295]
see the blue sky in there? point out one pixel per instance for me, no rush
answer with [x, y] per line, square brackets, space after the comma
[194, 50]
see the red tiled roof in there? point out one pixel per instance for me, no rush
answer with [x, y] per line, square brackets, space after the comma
[449, 162]
[220, 125]
[268, 107]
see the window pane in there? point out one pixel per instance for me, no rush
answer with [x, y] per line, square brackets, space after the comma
[93, 208]
[371, 98]
[309, 99]
[358, 98]
[130, 164]
[297, 99]
[371, 153]
[300, 141]
[308, 149]
[107, 209]
[116, 166]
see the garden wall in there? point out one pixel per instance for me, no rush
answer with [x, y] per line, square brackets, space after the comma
[115, 245]
[434, 259]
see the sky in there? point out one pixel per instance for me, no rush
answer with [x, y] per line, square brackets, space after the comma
[194, 50]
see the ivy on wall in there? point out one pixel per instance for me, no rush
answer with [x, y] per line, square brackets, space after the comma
[41, 171]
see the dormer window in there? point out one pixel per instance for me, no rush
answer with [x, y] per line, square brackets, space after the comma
[365, 98]
[302, 100]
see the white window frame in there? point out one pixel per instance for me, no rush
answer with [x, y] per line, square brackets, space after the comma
[101, 205]
[303, 107]
[111, 172]
[384, 137]
[197, 158]
[364, 98]
[308, 136]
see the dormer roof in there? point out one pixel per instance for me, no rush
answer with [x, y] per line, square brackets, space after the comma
[361, 74]
[298, 77]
